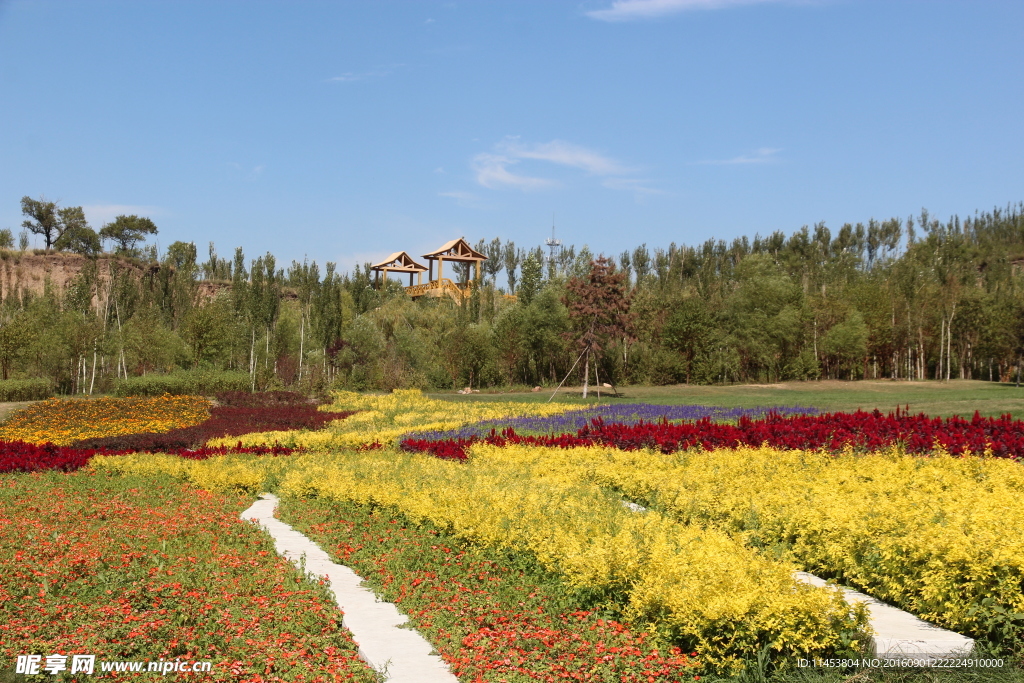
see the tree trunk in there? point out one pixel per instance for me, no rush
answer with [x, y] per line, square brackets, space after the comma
[92, 382]
[302, 341]
[252, 360]
[586, 373]
[949, 343]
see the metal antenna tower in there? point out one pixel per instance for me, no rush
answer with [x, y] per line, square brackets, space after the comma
[552, 245]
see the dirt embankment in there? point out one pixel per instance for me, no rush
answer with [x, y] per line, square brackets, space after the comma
[29, 271]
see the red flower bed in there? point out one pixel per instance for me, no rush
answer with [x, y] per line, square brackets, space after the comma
[18, 456]
[917, 434]
[139, 569]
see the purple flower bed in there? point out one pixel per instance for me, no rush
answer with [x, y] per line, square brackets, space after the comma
[627, 413]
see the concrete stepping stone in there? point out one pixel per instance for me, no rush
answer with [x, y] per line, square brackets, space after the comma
[898, 634]
[401, 654]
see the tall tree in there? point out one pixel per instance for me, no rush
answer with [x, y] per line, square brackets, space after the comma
[512, 257]
[531, 279]
[598, 311]
[45, 219]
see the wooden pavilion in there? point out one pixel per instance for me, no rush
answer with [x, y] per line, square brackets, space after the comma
[399, 262]
[457, 251]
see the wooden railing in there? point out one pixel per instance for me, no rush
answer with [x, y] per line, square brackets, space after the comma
[442, 287]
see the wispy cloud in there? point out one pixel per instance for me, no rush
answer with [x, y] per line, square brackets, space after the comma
[764, 155]
[493, 169]
[237, 170]
[565, 154]
[637, 186]
[492, 172]
[98, 214]
[632, 10]
[466, 199]
[353, 76]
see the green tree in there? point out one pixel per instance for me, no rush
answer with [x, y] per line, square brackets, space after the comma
[42, 219]
[47, 219]
[80, 239]
[531, 278]
[689, 331]
[127, 232]
[847, 344]
[511, 258]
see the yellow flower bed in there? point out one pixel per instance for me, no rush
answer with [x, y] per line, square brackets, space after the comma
[248, 473]
[63, 421]
[941, 537]
[384, 418]
[693, 585]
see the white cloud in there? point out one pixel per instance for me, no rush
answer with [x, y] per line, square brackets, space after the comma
[764, 155]
[237, 170]
[352, 76]
[629, 10]
[100, 214]
[564, 153]
[466, 199]
[492, 172]
[635, 185]
[493, 169]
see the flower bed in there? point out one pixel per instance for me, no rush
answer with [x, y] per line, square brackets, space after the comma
[940, 537]
[918, 434]
[492, 616]
[144, 569]
[698, 588]
[239, 413]
[385, 418]
[619, 413]
[18, 456]
[65, 421]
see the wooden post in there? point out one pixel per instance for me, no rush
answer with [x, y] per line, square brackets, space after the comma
[440, 268]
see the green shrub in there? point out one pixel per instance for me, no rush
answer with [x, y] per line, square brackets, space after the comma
[197, 383]
[25, 389]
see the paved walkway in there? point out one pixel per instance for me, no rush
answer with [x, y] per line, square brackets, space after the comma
[401, 654]
[898, 634]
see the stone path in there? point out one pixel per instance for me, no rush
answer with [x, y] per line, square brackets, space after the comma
[404, 656]
[898, 634]
[401, 654]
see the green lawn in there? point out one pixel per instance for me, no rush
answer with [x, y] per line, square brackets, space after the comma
[957, 397]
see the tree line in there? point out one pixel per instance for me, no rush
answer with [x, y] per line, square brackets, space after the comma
[909, 299]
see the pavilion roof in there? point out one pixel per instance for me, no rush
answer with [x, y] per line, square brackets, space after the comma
[456, 250]
[399, 262]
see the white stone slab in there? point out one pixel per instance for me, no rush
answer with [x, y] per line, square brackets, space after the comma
[900, 634]
[401, 654]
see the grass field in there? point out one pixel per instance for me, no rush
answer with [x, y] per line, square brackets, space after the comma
[957, 397]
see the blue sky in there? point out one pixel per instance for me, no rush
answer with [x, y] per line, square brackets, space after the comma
[343, 131]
